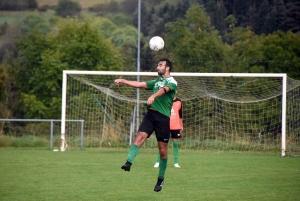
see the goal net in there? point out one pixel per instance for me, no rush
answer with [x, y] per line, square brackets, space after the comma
[238, 112]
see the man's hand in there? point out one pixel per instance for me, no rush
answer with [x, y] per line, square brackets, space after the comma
[150, 100]
[119, 81]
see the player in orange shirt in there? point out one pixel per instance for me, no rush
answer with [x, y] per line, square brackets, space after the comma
[176, 128]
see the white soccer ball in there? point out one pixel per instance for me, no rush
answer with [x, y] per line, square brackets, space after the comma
[156, 43]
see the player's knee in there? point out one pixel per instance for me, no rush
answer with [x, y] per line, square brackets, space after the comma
[163, 152]
[140, 139]
[163, 155]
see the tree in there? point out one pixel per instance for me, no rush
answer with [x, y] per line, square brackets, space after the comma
[113, 7]
[129, 6]
[67, 8]
[251, 18]
[231, 21]
[8, 93]
[244, 54]
[293, 15]
[281, 52]
[120, 19]
[32, 4]
[104, 25]
[75, 44]
[125, 36]
[18, 5]
[264, 11]
[106, 8]
[34, 22]
[196, 46]
[279, 15]
[218, 13]
[84, 47]
[30, 49]
[237, 8]
[3, 77]
[10, 57]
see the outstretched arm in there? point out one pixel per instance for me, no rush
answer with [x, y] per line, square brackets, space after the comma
[159, 93]
[134, 84]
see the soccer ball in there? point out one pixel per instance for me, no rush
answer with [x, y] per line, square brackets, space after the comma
[156, 43]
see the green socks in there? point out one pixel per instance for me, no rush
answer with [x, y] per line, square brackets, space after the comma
[175, 149]
[132, 153]
[162, 168]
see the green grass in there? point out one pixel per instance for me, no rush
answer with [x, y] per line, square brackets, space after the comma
[11, 17]
[40, 174]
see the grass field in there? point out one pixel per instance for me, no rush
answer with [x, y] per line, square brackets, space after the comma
[31, 174]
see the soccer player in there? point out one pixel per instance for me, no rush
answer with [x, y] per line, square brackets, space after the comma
[176, 128]
[157, 118]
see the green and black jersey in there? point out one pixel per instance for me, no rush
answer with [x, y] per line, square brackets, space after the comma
[164, 103]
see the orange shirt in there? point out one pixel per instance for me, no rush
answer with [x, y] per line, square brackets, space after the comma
[176, 115]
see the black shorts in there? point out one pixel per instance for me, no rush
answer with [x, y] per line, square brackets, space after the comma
[155, 121]
[175, 134]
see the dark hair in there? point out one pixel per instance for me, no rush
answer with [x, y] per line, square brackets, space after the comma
[168, 63]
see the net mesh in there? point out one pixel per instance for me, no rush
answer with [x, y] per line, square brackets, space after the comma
[219, 113]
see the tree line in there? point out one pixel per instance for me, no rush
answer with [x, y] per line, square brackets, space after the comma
[264, 16]
[35, 51]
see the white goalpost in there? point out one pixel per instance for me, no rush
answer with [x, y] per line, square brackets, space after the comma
[221, 111]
